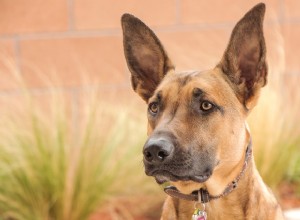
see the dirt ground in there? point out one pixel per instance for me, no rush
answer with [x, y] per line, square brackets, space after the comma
[289, 195]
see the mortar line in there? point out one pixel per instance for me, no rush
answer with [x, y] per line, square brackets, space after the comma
[71, 21]
[281, 15]
[65, 34]
[116, 32]
[47, 90]
[178, 11]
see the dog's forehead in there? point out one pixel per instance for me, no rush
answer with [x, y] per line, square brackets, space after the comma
[182, 84]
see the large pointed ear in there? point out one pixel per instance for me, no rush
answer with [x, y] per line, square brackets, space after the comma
[244, 61]
[146, 58]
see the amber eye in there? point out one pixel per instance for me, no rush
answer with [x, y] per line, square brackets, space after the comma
[206, 106]
[153, 108]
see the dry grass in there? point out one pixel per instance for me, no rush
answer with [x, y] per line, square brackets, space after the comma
[61, 163]
[275, 126]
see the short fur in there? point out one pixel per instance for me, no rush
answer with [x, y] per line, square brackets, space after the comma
[197, 120]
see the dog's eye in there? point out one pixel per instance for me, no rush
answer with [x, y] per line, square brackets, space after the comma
[206, 106]
[153, 108]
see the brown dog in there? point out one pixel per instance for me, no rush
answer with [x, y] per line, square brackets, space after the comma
[198, 138]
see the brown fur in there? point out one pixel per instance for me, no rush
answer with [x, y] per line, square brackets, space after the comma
[205, 142]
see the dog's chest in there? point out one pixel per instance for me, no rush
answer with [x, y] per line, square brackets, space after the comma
[224, 210]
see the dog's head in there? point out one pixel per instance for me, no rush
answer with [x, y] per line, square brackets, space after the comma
[197, 132]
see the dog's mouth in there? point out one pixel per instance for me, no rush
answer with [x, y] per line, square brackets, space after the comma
[162, 176]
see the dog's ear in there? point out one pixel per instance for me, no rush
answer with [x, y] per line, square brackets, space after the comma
[244, 61]
[146, 58]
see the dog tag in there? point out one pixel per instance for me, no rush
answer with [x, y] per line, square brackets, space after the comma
[199, 215]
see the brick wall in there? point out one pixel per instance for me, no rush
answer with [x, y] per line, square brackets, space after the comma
[77, 43]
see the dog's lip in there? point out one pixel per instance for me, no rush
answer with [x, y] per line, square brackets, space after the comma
[162, 176]
[200, 178]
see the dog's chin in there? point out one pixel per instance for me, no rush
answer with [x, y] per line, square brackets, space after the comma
[164, 176]
[160, 179]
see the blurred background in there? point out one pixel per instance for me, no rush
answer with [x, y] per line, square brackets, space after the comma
[71, 128]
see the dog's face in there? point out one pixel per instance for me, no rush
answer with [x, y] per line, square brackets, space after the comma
[194, 119]
[196, 129]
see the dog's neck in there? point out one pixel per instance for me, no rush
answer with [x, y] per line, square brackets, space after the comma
[250, 191]
[230, 181]
[234, 203]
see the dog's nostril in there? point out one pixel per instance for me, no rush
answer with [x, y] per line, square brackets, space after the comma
[162, 155]
[148, 155]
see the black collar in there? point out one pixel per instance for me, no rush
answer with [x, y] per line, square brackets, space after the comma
[202, 195]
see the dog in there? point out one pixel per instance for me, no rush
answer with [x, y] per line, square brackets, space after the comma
[198, 138]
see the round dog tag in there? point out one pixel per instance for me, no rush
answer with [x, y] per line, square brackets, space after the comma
[199, 215]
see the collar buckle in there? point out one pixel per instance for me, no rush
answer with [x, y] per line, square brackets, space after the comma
[203, 196]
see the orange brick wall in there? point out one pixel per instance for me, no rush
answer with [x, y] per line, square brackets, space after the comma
[70, 41]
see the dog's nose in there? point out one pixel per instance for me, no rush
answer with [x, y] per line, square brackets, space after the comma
[158, 150]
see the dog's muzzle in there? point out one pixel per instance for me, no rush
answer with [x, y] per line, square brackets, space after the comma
[164, 161]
